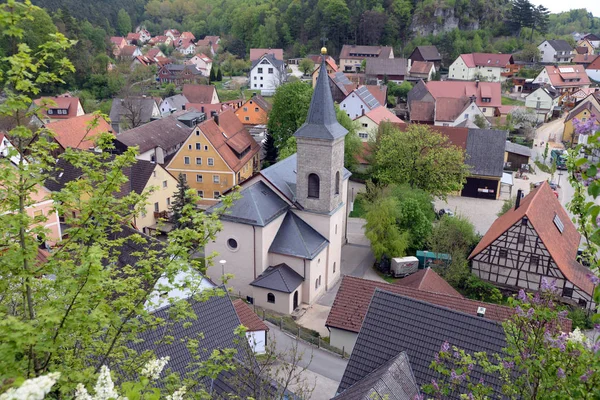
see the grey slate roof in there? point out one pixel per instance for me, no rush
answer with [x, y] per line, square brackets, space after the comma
[386, 66]
[258, 205]
[560, 45]
[298, 239]
[417, 92]
[485, 151]
[519, 149]
[366, 96]
[177, 101]
[429, 53]
[280, 278]
[121, 107]
[165, 133]
[321, 122]
[271, 58]
[394, 380]
[396, 323]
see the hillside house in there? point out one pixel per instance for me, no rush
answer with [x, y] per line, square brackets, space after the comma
[200, 93]
[202, 62]
[582, 112]
[426, 54]
[568, 78]
[330, 65]
[173, 103]
[543, 100]
[484, 66]
[380, 69]
[424, 70]
[179, 74]
[267, 74]
[352, 56]
[256, 54]
[129, 52]
[593, 69]
[555, 52]
[76, 132]
[58, 108]
[210, 43]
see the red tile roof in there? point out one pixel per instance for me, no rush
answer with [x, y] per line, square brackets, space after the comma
[486, 60]
[133, 36]
[422, 111]
[354, 296]
[540, 207]
[584, 59]
[421, 67]
[248, 318]
[427, 280]
[558, 75]
[153, 52]
[255, 54]
[198, 93]
[458, 89]
[456, 135]
[188, 35]
[595, 64]
[209, 41]
[63, 102]
[379, 92]
[128, 50]
[73, 132]
[358, 52]
[381, 113]
[448, 109]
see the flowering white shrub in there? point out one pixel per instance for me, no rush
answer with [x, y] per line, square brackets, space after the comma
[32, 389]
[178, 395]
[577, 337]
[153, 368]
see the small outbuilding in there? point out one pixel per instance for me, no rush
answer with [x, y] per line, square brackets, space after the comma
[515, 156]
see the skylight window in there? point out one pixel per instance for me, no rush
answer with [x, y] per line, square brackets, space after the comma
[559, 225]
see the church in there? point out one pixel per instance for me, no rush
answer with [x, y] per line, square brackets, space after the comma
[282, 240]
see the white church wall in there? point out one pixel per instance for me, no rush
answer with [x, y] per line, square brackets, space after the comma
[264, 237]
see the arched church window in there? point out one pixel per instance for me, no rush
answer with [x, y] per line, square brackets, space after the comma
[313, 186]
[270, 298]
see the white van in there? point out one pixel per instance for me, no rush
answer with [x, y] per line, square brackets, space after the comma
[404, 266]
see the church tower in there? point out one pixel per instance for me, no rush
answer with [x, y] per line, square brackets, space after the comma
[320, 151]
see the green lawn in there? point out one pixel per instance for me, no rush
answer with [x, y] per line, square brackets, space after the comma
[507, 101]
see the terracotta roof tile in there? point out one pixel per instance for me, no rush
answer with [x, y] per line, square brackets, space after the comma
[457, 135]
[540, 207]
[428, 281]
[422, 111]
[421, 67]
[198, 93]
[73, 132]
[458, 89]
[379, 92]
[488, 59]
[354, 296]
[63, 102]
[381, 113]
[247, 317]
[255, 54]
[558, 75]
[595, 64]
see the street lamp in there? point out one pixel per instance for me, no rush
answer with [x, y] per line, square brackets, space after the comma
[559, 175]
[222, 262]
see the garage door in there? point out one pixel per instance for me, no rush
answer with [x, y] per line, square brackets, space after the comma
[480, 188]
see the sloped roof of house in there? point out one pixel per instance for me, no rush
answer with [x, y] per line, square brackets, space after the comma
[393, 380]
[165, 133]
[541, 207]
[153, 52]
[73, 132]
[63, 102]
[366, 96]
[421, 67]
[427, 280]
[429, 53]
[560, 45]
[386, 66]
[560, 75]
[473, 60]
[584, 59]
[485, 151]
[188, 35]
[230, 138]
[118, 40]
[209, 41]
[579, 109]
[280, 278]
[342, 82]
[142, 106]
[354, 295]
[595, 64]
[448, 109]
[258, 205]
[395, 323]
[177, 101]
[297, 239]
[422, 111]
[133, 36]
[256, 54]
[261, 102]
[581, 50]
[128, 51]
[379, 92]
[198, 93]
[458, 89]
[519, 149]
[271, 58]
[357, 52]
[248, 318]
[316, 58]
[381, 114]
[591, 37]
[457, 136]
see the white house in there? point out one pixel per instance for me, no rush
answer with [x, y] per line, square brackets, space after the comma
[543, 100]
[171, 103]
[484, 66]
[186, 47]
[202, 62]
[360, 101]
[555, 51]
[282, 239]
[267, 74]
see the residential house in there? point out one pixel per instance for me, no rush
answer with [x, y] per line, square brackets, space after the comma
[179, 74]
[145, 36]
[118, 42]
[395, 323]
[267, 74]
[128, 52]
[593, 69]
[212, 109]
[368, 123]
[161, 39]
[143, 177]
[568, 78]
[186, 46]
[555, 51]
[155, 53]
[593, 39]
[393, 380]
[202, 62]
[283, 237]
[256, 330]
[458, 112]
[209, 42]
[534, 241]
[131, 112]
[173, 103]
[423, 101]
[587, 45]
[427, 280]
[364, 99]
[424, 70]
[77, 133]
[351, 56]
[216, 156]
[341, 86]
[200, 93]
[58, 108]
[329, 64]
[188, 36]
[256, 54]
[425, 54]
[583, 112]
[483, 66]
[382, 69]
[584, 59]
[134, 39]
[543, 100]
[159, 140]
[515, 156]
[255, 111]
[172, 33]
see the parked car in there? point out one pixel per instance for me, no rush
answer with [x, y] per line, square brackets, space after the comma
[553, 185]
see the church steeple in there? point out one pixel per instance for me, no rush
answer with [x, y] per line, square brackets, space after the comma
[321, 122]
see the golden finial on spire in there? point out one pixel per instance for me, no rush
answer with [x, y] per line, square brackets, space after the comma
[323, 50]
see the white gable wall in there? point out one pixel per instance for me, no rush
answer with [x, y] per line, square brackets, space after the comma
[354, 106]
[266, 77]
[459, 71]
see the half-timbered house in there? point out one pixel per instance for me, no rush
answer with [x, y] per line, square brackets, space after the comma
[533, 241]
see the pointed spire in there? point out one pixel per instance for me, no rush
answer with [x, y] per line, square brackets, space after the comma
[321, 122]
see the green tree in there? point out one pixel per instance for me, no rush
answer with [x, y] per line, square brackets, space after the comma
[481, 122]
[219, 76]
[290, 108]
[213, 76]
[419, 157]
[270, 151]
[124, 25]
[306, 65]
[477, 44]
[382, 231]
[507, 205]
[181, 199]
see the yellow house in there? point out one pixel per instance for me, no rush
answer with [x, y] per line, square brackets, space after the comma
[586, 43]
[329, 63]
[218, 155]
[583, 113]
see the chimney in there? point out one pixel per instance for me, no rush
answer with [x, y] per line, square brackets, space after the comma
[518, 200]
[473, 99]
[215, 116]
[201, 108]
[183, 107]
[476, 83]
[481, 312]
